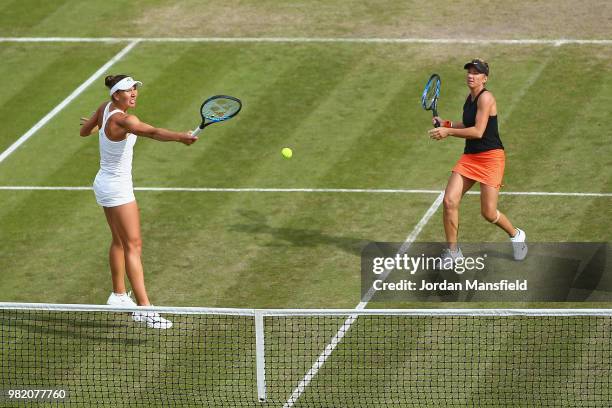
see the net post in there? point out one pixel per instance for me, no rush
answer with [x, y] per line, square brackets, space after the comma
[260, 355]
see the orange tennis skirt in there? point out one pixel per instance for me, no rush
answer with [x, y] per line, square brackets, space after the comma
[485, 167]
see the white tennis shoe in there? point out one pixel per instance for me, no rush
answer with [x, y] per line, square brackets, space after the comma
[519, 245]
[449, 259]
[123, 299]
[152, 320]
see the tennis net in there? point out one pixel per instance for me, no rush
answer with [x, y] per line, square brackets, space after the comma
[307, 358]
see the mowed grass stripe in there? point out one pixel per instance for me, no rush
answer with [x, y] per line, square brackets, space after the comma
[587, 222]
[233, 244]
[366, 136]
[34, 86]
[520, 19]
[186, 113]
[588, 131]
[274, 104]
[237, 143]
[262, 250]
[544, 219]
[27, 15]
[549, 153]
[55, 240]
[302, 90]
[389, 142]
[61, 150]
[332, 146]
[272, 250]
[58, 146]
[15, 58]
[317, 254]
[20, 17]
[371, 95]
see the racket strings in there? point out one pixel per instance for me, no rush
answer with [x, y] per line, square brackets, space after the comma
[220, 109]
[432, 91]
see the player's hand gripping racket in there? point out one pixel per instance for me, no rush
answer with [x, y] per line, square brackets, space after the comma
[429, 99]
[217, 108]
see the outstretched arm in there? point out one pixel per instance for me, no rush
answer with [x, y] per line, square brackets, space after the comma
[132, 124]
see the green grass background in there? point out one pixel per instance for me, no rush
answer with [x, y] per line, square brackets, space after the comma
[349, 111]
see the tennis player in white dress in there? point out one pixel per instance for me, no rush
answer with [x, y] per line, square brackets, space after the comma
[113, 189]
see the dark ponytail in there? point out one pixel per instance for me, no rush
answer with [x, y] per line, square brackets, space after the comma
[111, 80]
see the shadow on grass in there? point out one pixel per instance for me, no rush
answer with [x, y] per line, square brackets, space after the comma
[102, 331]
[257, 224]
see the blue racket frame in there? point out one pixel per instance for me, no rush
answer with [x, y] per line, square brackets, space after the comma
[433, 81]
[212, 118]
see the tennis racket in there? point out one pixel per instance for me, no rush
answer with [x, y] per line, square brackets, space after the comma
[429, 99]
[216, 109]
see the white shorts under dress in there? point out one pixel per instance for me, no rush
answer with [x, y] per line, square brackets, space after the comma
[113, 183]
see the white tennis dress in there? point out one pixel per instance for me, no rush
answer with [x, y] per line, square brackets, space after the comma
[113, 183]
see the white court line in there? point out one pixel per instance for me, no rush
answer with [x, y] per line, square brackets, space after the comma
[65, 102]
[306, 190]
[405, 246]
[329, 349]
[527, 41]
[544, 193]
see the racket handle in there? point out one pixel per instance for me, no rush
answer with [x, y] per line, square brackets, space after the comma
[435, 113]
[196, 131]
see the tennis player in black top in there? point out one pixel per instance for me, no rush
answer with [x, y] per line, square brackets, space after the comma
[483, 161]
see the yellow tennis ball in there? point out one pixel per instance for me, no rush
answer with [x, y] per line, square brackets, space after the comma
[287, 152]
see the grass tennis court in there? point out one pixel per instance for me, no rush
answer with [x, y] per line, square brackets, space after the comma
[377, 141]
[349, 110]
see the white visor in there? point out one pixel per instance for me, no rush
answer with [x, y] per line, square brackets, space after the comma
[125, 84]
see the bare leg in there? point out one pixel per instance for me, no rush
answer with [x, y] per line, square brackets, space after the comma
[455, 189]
[488, 208]
[125, 220]
[116, 258]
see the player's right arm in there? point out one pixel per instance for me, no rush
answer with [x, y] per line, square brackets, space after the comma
[90, 125]
[133, 125]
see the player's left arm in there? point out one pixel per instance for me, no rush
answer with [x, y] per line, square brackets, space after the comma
[486, 102]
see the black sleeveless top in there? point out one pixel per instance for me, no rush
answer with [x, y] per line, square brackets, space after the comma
[490, 138]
